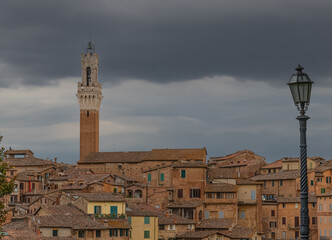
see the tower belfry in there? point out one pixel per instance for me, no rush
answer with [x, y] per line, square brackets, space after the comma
[89, 94]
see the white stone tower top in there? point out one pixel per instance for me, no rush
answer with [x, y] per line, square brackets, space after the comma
[89, 91]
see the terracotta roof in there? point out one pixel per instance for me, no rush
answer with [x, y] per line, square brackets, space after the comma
[16, 225]
[197, 234]
[137, 157]
[218, 223]
[220, 187]
[117, 223]
[60, 210]
[276, 164]
[140, 210]
[176, 154]
[28, 161]
[239, 232]
[101, 197]
[19, 152]
[113, 157]
[284, 175]
[229, 156]
[70, 221]
[246, 181]
[191, 204]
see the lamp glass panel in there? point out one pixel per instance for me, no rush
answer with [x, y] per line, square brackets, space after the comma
[303, 92]
[295, 93]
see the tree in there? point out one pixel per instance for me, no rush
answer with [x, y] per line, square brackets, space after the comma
[6, 184]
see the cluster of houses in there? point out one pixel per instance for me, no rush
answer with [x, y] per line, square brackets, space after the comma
[164, 194]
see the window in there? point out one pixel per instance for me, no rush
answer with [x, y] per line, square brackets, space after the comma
[330, 207]
[149, 177]
[180, 193]
[297, 221]
[297, 234]
[272, 183]
[162, 177]
[21, 185]
[280, 182]
[220, 195]
[296, 205]
[313, 205]
[81, 234]
[283, 219]
[11, 173]
[129, 219]
[284, 205]
[283, 235]
[183, 173]
[195, 193]
[328, 179]
[209, 195]
[264, 183]
[161, 227]
[322, 190]
[98, 233]
[114, 211]
[146, 234]
[190, 226]
[97, 209]
[273, 224]
[146, 220]
[229, 195]
[312, 182]
[113, 232]
[313, 221]
[242, 214]
[206, 214]
[55, 232]
[221, 214]
[320, 207]
[253, 195]
[273, 213]
[171, 227]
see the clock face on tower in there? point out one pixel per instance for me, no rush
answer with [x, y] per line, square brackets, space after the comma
[88, 76]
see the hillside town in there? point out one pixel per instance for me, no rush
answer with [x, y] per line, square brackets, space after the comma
[160, 194]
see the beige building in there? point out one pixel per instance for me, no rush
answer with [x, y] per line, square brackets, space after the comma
[144, 223]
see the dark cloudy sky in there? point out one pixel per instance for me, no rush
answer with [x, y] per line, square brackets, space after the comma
[175, 74]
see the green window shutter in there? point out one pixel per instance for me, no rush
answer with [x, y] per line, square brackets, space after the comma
[162, 177]
[146, 234]
[114, 211]
[146, 220]
[183, 173]
[129, 219]
[149, 177]
[322, 190]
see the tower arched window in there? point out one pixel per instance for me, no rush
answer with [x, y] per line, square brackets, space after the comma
[88, 76]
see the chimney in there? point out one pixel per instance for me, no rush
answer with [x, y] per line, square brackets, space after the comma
[55, 159]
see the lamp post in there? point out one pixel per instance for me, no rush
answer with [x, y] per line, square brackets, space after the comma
[300, 86]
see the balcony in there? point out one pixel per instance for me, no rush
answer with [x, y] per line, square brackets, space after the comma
[247, 201]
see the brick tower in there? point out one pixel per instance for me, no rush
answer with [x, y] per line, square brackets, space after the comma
[89, 94]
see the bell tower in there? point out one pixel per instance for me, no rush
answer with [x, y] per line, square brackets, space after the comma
[89, 94]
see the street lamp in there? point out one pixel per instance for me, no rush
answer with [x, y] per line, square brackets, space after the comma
[300, 86]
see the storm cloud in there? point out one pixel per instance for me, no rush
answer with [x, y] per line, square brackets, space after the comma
[165, 41]
[175, 74]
